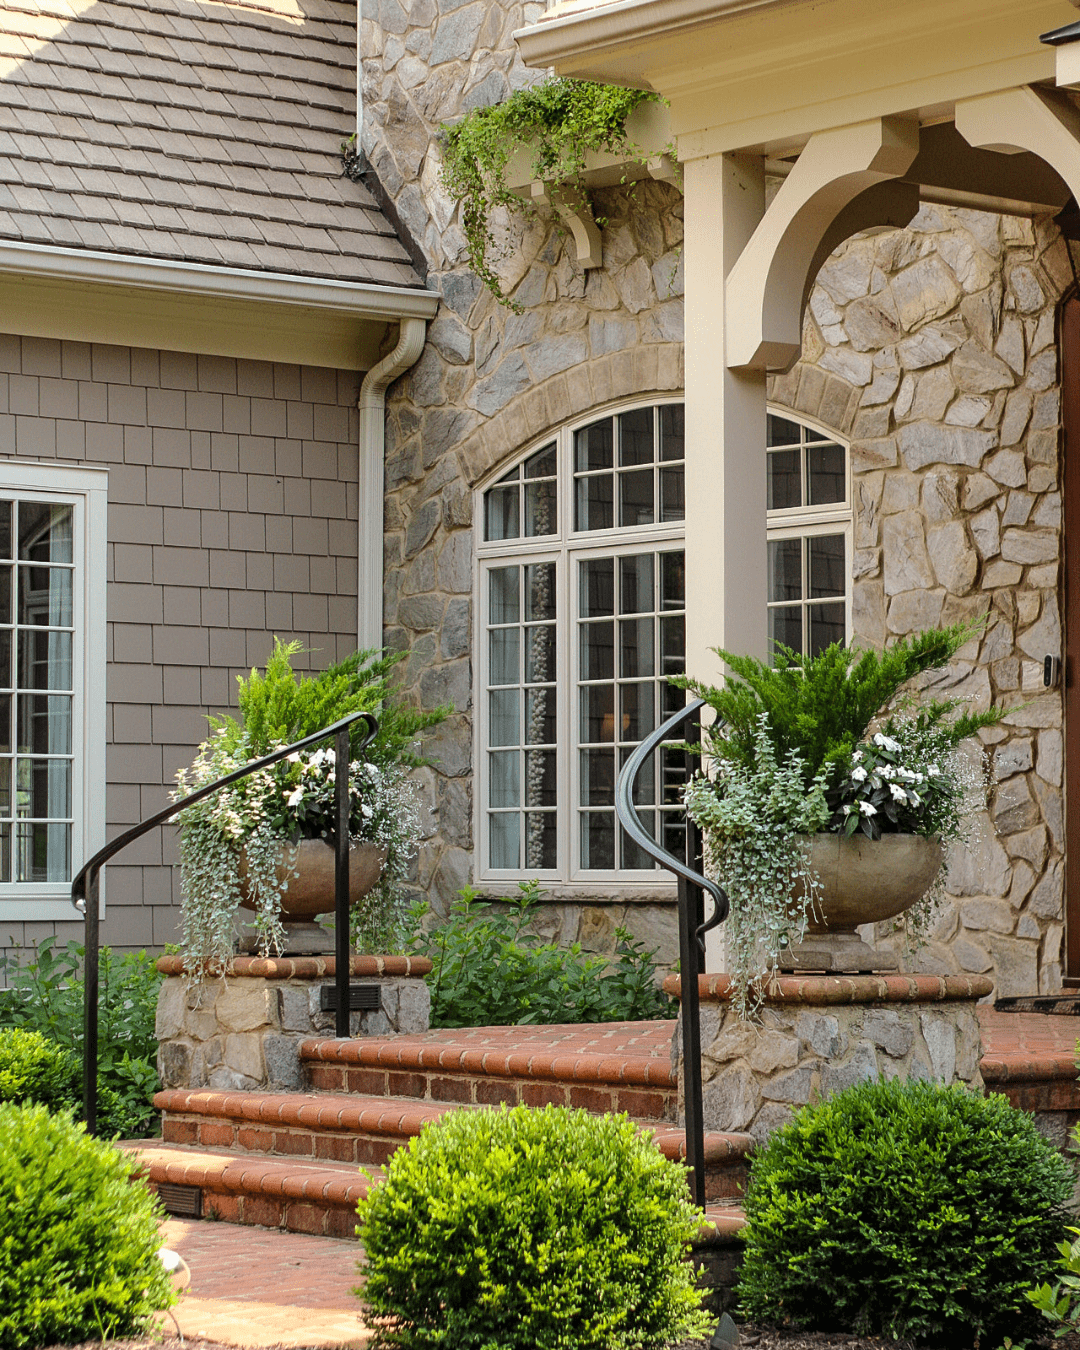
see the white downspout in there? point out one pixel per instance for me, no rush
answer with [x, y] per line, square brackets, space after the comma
[372, 405]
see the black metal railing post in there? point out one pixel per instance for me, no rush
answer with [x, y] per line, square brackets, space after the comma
[692, 927]
[86, 887]
[341, 883]
[91, 963]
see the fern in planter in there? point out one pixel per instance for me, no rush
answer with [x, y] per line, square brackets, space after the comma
[561, 121]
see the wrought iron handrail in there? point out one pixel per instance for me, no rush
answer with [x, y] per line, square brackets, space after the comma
[692, 929]
[85, 889]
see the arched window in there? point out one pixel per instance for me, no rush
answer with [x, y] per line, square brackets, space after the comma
[581, 605]
[809, 534]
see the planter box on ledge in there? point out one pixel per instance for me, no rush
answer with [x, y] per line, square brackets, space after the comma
[244, 1031]
[817, 1035]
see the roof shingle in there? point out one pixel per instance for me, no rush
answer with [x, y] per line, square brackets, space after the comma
[190, 130]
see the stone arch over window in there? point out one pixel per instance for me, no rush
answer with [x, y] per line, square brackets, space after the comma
[579, 601]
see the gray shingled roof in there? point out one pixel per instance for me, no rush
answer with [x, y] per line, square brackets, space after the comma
[192, 130]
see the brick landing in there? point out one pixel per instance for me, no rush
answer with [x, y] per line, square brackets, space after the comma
[1031, 1059]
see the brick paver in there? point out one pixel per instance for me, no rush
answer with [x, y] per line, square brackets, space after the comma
[255, 1287]
[1032, 1033]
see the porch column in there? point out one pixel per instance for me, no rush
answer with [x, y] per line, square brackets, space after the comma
[725, 434]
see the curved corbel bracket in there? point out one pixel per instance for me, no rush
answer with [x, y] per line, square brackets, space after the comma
[575, 212]
[766, 288]
[1038, 120]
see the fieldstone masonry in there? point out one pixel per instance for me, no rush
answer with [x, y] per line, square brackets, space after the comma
[819, 1035]
[932, 350]
[244, 1031]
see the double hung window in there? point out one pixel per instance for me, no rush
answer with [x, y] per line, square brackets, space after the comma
[581, 593]
[52, 654]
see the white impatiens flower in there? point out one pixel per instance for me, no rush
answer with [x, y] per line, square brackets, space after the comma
[848, 810]
[867, 809]
[295, 797]
[932, 771]
[858, 775]
[898, 793]
[886, 742]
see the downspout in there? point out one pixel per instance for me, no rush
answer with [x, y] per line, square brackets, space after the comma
[372, 405]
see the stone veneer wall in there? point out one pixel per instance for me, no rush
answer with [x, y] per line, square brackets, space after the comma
[232, 516]
[490, 381]
[817, 1035]
[934, 350]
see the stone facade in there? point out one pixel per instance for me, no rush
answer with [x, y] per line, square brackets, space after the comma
[244, 1031]
[933, 350]
[819, 1035]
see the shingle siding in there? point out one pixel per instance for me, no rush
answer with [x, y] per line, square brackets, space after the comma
[212, 537]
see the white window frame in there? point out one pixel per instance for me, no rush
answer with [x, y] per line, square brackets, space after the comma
[87, 491]
[565, 547]
[802, 522]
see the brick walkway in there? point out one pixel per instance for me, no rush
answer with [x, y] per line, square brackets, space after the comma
[1006, 1033]
[262, 1287]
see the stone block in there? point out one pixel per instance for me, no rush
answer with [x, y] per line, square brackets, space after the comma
[174, 1064]
[886, 1029]
[245, 1005]
[282, 1054]
[244, 1054]
[731, 1099]
[171, 1009]
[939, 1033]
[860, 1066]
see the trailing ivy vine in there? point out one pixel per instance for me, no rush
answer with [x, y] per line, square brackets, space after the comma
[560, 121]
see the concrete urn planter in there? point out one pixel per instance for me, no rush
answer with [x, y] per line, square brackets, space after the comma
[311, 892]
[863, 881]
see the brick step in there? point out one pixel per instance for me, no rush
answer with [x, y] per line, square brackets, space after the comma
[310, 1197]
[301, 1196]
[367, 1130]
[606, 1067]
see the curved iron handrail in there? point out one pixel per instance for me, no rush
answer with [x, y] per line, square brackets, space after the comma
[86, 886]
[691, 932]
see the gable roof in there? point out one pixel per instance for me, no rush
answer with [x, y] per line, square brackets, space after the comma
[195, 130]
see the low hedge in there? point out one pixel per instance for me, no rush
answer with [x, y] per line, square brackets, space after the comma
[905, 1210]
[78, 1241]
[530, 1230]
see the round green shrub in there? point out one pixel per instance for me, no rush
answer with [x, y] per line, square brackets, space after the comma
[34, 1069]
[541, 1229]
[78, 1240]
[907, 1210]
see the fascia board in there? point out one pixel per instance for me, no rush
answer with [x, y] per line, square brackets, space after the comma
[360, 299]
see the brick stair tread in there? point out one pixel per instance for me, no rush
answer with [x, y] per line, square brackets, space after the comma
[630, 1060]
[1028, 1066]
[352, 1114]
[324, 1183]
[328, 1185]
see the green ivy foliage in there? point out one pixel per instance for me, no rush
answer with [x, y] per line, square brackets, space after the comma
[559, 121]
[904, 1209]
[819, 707]
[78, 1240]
[530, 1230]
[489, 970]
[45, 997]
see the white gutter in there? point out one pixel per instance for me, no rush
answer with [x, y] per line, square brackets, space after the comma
[592, 29]
[372, 463]
[362, 299]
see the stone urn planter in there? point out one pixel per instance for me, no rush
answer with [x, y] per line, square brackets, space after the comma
[311, 892]
[863, 881]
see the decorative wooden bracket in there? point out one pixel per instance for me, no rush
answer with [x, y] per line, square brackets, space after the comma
[575, 211]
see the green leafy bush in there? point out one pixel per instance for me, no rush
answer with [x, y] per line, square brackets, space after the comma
[78, 1241]
[33, 1069]
[1060, 1303]
[46, 995]
[488, 970]
[545, 1230]
[906, 1210]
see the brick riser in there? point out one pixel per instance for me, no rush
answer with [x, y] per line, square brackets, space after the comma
[643, 1103]
[366, 1131]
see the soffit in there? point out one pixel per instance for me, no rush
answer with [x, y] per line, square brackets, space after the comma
[189, 130]
[763, 78]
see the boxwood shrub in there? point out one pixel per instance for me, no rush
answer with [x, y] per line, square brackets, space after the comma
[906, 1210]
[78, 1241]
[541, 1229]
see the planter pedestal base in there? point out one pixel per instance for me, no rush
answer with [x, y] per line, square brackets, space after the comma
[834, 953]
[301, 939]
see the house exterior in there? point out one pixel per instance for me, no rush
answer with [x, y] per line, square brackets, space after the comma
[813, 385]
